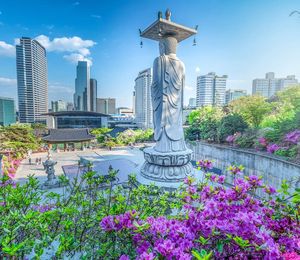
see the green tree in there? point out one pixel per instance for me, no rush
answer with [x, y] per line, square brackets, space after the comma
[206, 119]
[230, 125]
[252, 108]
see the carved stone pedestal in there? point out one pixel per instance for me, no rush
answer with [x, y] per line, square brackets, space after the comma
[166, 167]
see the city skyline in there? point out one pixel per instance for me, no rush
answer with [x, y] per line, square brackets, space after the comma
[237, 47]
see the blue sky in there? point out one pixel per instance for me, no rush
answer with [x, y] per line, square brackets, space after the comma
[243, 39]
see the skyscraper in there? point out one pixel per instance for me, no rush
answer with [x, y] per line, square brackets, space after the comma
[82, 87]
[32, 80]
[93, 95]
[106, 105]
[192, 102]
[7, 111]
[268, 86]
[232, 94]
[143, 104]
[211, 90]
[58, 105]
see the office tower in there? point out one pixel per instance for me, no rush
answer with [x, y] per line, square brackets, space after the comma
[125, 111]
[192, 102]
[70, 106]
[211, 90]
[268, 86]
[82, 87]
[133, 102]
[7, 111]
[32, 80]
[106, 105]
[93, 95]
[58, 105]
[143, 103]
[232, 94]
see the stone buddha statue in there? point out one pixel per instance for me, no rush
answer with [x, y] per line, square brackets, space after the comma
[167, 98]
[168, 161]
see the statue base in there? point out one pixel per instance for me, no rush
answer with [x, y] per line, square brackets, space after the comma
[166, 167]
[51, 184]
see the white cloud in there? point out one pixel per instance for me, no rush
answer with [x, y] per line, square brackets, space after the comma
[197, 70]
[188, 88]
[77, 47]
[96, 16]
[7, 49]
[75, 57]
[59, 88]
[71, 44]
[8, 82]
[8, 88]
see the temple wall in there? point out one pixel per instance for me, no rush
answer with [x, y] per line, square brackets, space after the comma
[271, 168]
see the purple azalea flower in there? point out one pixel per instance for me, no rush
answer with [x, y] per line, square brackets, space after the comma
[293, 137]
[272, 148]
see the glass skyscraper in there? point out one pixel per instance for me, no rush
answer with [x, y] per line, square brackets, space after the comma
[82, 87]
[32, 80]
[7, 111]
[93, 95]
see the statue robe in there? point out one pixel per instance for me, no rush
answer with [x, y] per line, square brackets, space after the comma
[167, 101]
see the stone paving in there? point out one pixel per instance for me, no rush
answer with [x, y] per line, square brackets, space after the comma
[135, 155]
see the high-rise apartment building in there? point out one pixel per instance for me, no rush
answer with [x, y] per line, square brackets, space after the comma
[32, 80]
[106, 106]
[93, 95]
[192, 103]
[82, 87]
[233, 94]
[58, 105]
[70, 106]
[7, 111]
[268, 86]
[143, 103]
[211, 90]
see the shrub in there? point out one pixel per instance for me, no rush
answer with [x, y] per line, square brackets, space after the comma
[246, 140]
[231, 124]
[97, 218]
[252, 108]
[206, 119]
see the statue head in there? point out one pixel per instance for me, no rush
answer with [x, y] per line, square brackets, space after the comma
[167, 45]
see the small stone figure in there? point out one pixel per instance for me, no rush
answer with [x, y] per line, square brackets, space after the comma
[52, 181]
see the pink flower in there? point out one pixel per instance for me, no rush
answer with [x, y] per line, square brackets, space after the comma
[262, 141]
[272, 148]
[146, 256]
[291, 256]
[205, 165]
[269, 190]
[293, 137]
[230, 138]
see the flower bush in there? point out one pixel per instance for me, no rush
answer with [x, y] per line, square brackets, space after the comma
[216, 222]
[259, 122]
[96, 218]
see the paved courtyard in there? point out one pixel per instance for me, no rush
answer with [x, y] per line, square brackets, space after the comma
[117, 156]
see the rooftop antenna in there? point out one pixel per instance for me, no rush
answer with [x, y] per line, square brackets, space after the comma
[141, 41]
[195, 41]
